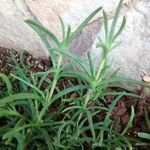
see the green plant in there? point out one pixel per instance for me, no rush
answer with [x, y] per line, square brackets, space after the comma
[31, 120]
[29, 104]
[143, 135]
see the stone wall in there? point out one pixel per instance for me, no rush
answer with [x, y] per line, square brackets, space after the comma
[132, 55]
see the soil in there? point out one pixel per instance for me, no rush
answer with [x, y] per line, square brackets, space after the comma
[35, 64]
[122, 110]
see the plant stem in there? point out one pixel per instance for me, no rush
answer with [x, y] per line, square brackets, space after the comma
[103, 64]
[48, 100]
[88, 97]
[100, 69]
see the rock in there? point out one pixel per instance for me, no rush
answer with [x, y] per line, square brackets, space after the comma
[131, 55]
[16, 34]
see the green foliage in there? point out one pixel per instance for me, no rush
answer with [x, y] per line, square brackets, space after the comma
[33, 122]
[143, 135]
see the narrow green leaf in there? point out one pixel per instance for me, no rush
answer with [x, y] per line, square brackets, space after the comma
[125, 80]
[107, 121]
[72, 108]
[144, 135]
[29, 84]
[20, 96]
[13, 132]
[68, 35]
[62, 28]
[129, 124]
[69, 90]
[113, 105]
[147, 118]
[78, 75]
[91, 65]
[21, 72]
[48, 46]
[7, 113]
[43, 78]
[120, 29]
[45, 40]
[21, 141]
[113, 26]
[74, 57]
[105, 25]
[40, 28]
[91, 125]
[61, 128]
[8, 83]
[118, 93]
[85, 22]
[47, 139]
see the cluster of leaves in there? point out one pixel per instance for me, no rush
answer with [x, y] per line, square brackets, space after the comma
[31, 122]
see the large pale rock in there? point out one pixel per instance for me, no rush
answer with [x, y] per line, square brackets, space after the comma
[132, 55]
[14, 33]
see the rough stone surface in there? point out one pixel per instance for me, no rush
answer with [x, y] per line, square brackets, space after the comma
[14, 33]
[132, 55]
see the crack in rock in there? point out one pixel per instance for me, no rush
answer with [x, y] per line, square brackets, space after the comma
[24, 8]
